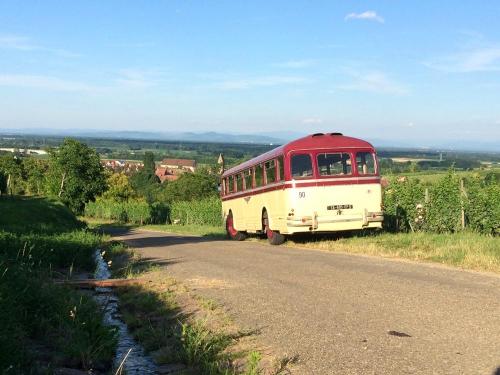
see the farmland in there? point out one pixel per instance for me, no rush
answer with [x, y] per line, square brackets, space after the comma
[435, 211]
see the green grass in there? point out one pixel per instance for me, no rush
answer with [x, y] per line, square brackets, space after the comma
[39, 215]
[431, 177]
[465, 250]
[41, 240]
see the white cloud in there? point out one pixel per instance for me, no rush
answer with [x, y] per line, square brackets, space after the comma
[312, 121]
[16, 42]
[296, 64]
[471, 60]
[374, 82]
[136, 78]
[368, 15]
[22, 43]
[263, 81]
[44, 82]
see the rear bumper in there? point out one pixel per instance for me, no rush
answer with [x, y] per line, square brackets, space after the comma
[335, 222]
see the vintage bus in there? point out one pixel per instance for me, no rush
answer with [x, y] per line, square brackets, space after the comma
[319, 183]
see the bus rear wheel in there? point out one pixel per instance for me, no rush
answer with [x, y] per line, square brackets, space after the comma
[232, 233]
[273, 237]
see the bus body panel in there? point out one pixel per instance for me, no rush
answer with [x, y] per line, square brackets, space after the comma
[309, 208]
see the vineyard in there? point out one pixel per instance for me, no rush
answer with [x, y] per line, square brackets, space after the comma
[450, 204]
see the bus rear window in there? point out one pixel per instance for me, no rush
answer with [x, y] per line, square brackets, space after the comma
[365, 162]
[301, 166]
[334, 164]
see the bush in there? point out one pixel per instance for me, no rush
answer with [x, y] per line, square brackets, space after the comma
[200, 212]
[400, 203]
[132, 211]
[408, 208]
[41, 239]
[482, 205]
[445, 205]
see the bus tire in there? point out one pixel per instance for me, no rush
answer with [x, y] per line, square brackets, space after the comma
[273, 237]
[231, 232]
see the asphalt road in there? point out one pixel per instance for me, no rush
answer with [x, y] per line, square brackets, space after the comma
[342, 314]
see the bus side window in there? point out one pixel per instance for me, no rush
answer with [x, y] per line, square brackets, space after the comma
[248, 179]
[365, 163]
[301, 166]
[239, 182]
[230, 184]
[259, 175]
[281, 166]
[270, 171]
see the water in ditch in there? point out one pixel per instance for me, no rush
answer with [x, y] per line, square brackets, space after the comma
[137, 362]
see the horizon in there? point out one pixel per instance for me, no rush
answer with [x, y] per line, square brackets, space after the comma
[211, 137]
[424, 73]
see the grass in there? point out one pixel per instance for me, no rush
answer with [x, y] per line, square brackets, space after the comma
[36, 215]
[44, 325]
[465, 250]
[177, 326]
[431, 177]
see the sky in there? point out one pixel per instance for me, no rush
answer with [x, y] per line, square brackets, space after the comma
[396, 70]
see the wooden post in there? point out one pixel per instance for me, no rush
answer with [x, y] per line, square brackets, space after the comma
[397, 217]
[462, 194]
[426, 195]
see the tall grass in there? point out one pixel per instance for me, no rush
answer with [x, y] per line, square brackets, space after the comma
[465, 249]
[206, 211]
[36, 313]
[132, 211]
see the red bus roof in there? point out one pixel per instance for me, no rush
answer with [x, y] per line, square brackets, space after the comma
[310, 142]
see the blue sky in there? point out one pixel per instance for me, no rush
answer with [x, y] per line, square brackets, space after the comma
[388, 70]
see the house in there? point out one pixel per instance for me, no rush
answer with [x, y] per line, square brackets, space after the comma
[171, 169]
[179, 164]
[165, 174]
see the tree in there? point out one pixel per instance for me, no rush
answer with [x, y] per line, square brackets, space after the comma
[75, 174]
[149, 163]
[146, 182]
[119, 188]
[12, 169]
[34, 171]
[190, 186]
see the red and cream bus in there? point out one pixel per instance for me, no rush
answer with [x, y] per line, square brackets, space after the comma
[319, 183]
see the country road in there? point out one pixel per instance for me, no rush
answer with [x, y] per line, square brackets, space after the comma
[342, 314]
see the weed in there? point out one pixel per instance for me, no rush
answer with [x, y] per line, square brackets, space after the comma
[253, 361]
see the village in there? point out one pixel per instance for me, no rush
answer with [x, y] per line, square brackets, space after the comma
[166, 170]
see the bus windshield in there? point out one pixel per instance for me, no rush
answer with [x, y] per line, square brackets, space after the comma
[334, 164]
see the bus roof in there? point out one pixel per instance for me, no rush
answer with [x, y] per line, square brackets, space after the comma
[310, 142]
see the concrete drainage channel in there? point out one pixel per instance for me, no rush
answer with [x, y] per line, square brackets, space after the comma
[130, 356]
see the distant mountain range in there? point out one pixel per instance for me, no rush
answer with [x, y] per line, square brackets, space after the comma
[276, 137]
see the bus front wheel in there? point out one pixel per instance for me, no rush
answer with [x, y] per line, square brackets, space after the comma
[232, 233]
[274, 238]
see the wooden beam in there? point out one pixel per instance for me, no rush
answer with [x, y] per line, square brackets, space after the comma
[94, 283]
